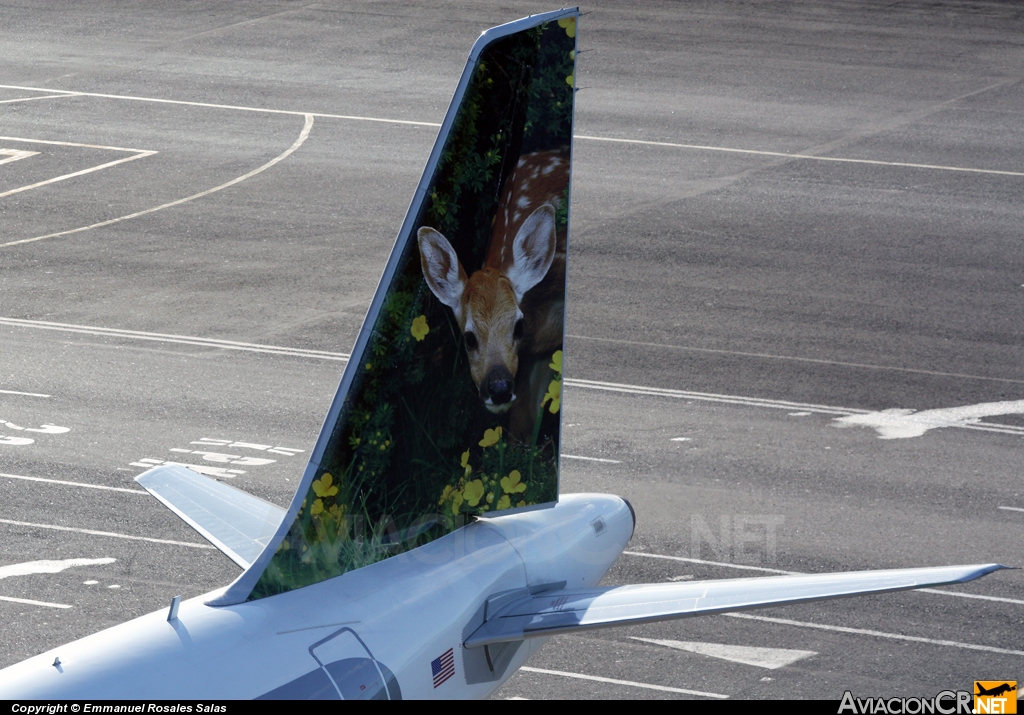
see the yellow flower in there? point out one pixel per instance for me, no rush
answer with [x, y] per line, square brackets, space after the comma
[554, 394]
[569, 25]
[456, 502]
[420, 328]
[318, 507]
[491, 436]
[445, 494]
[556, 361]
[465, 463]
[490, 497]
[522, 502]
[504, 503]
[572, 55]
[512, 484]
[570, 80]
[322, 487]
[474, 492]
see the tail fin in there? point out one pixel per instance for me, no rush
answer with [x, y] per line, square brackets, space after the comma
[450, 404]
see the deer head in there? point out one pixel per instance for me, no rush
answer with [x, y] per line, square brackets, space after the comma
[487, 304]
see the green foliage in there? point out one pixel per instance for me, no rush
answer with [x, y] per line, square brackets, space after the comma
[409, 434]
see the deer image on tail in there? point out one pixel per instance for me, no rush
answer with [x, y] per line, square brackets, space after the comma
[511, 310]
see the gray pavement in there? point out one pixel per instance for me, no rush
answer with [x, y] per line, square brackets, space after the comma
[879, 269]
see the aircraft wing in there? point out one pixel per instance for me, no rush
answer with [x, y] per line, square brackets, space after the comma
[237, 523]
[569, 610]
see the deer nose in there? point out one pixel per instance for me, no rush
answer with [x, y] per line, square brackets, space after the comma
[500, 386]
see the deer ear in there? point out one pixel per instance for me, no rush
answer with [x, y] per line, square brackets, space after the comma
[441, 268]
[532, 251]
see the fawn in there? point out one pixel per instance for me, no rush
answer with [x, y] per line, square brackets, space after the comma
[511, 310]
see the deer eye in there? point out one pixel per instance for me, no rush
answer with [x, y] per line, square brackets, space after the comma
[517, 332]
[471, 341]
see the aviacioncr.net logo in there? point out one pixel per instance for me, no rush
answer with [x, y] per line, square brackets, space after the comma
[995, 696]
[948, 702]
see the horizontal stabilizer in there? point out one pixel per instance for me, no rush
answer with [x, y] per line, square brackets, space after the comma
[237, 523]
[569, 610]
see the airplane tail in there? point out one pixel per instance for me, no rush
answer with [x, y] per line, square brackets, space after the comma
[450, 404]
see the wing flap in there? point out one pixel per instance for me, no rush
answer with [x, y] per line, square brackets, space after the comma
[237, 523]
[568, 610]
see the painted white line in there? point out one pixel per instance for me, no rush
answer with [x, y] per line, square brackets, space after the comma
[74, 484]
[978, 596]
[811, 157]
[26, 394]
[741, 567]
[708, 397]
[1010, 508]
[898, 423]
[588, 384]
[759, 402]
[111, 534]
[33, 567]
[235, 107]
[762, 569]
[55, 179]
[674, 145]
[15, 155]
[43, 429]
[876, 634]
[32, 99]
[818, 361]
[630, 683]
[34, 603]
[170, 338]
[592, 459]
[76, 144]
[770, 658]
[150, 462]
[281, 157]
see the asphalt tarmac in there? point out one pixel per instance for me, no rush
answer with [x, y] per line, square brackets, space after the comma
[784, 215]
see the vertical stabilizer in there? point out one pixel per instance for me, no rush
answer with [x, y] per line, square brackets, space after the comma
[450, 405]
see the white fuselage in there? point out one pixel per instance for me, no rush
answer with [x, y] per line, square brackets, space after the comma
[387, 621]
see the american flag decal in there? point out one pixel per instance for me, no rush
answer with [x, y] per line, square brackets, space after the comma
[443, 667]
